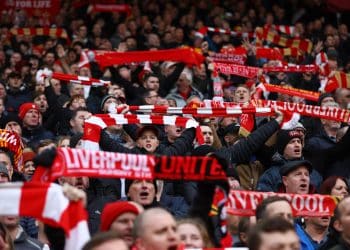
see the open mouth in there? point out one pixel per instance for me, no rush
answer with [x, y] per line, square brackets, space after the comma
[303, 186]
[144, 195]
[173, 247]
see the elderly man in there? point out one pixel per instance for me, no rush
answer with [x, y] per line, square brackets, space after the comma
[156, 229]
[119, 217]
[289, 148]
[32, 129]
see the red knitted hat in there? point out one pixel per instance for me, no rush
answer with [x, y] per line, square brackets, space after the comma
[25, 107]
[112, 210]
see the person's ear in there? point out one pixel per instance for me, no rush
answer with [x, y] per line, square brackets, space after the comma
[284, 180]
[338, 226]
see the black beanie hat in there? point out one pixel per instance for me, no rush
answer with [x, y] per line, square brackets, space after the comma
[284, 137]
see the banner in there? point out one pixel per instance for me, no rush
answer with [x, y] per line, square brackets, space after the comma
[80, 162]
[244, 203]
[39, 8]
[13, 142]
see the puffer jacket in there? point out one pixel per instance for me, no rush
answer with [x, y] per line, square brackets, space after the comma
[271, 180]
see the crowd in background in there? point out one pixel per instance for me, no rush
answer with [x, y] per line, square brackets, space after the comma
[46, 112]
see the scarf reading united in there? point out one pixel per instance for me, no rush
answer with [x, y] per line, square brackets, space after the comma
[80, 162]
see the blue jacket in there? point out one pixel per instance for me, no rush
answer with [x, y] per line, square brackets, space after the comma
[305, 242]
[271, 179]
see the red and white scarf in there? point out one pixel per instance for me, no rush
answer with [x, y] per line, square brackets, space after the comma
[285, 29]
[49, 206]
[118, 8]
[83, 80]
[204, 31]
[185, 55]
[307, 95]
[13, 142]
[302, 44]
[244, 203]
[43, 31]
[93, 163]
[330, 113]
[94, 125]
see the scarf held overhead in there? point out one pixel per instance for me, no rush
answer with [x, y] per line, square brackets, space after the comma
[185, 55]
[94, 125]
[80, 162]
[50, 206]
[12, 141]
[244, 203]
[83, 80]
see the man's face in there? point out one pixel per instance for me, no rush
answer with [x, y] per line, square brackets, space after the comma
[29, 168]
[148, 140]
[76, 89]
[208, 135]
[173, 131]
[31, 118]
[142, 191]
[343, 223]
[297, 181]
[77, 123]
[14, 127]
[331, 125]
[49, 59]
[280, 241]
[318, 222]
[280, 209]
[77, 103]
[242, 95]
[152, 83]
[160, 233]
[293, 149]
[152, 98]
[15, 82]
[123, 225]
[41, 102]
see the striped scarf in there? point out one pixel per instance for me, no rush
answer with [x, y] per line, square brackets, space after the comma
[94, 125]
[50, 206]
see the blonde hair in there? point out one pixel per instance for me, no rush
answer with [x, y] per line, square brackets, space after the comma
[198, 223]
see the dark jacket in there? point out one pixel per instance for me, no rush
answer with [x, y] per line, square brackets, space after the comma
[34, 136]
[181, 146]
[271, 180]
[341, 246]
[242, 151]
[315, 146]
[27, 243]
